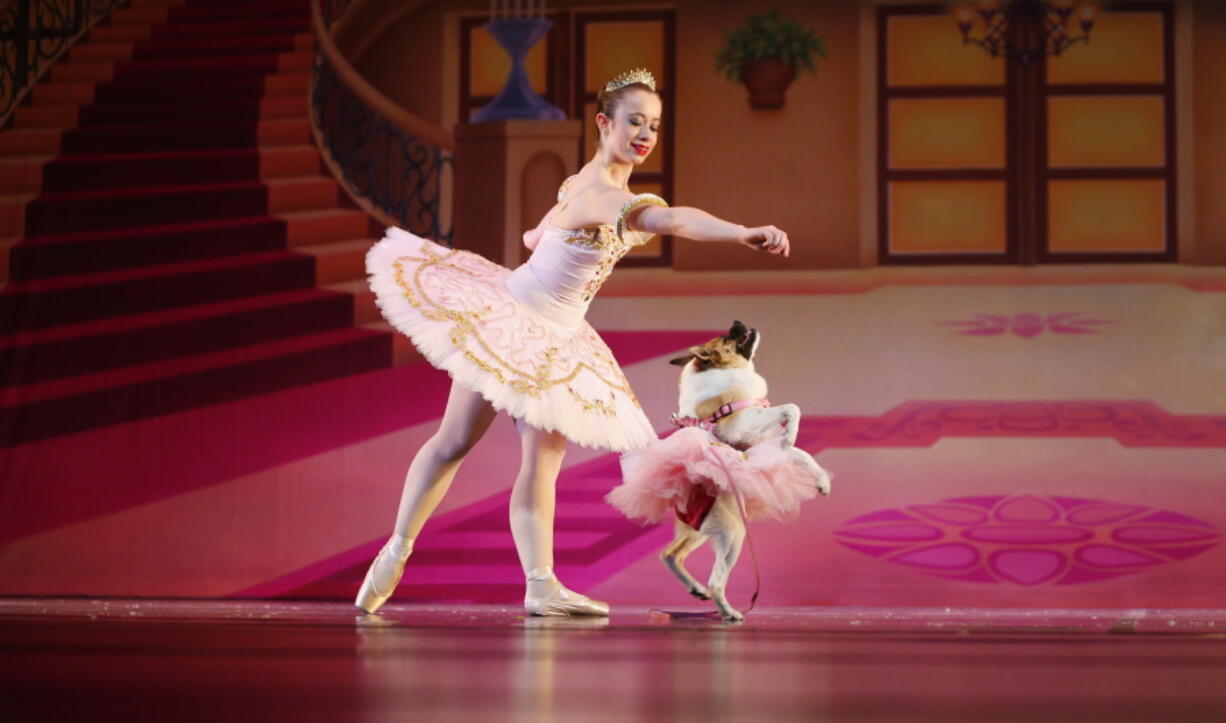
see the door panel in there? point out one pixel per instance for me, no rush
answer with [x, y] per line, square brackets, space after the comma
[947, 133]
[955, 217]
[613, 47]
[1124, 47]
[1106, 131]
[1109, 185]
[1097, 216]
[943, 145]
[919, 54]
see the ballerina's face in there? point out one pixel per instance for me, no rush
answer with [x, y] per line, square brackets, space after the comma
[631, 134]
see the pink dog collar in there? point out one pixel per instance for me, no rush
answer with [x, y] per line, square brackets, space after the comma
[724, 411]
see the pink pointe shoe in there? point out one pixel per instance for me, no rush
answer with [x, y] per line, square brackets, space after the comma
[384, 574]
[554, 600]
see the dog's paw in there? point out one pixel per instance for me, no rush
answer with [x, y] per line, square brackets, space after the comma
[701, 593]
[824, 487]
[732, 616]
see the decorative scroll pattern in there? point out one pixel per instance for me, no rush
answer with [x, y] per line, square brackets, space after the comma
[1028, 540]
[1028, 324]
[1023, 539]
[466, 294]
[396, 172]
[333, 10]
[33, 35]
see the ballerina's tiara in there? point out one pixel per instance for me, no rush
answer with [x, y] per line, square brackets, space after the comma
[630, 77]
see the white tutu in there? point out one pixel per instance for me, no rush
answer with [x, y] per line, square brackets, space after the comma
[515, 338]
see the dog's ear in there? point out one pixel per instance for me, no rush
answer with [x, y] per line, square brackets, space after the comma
[701, 353]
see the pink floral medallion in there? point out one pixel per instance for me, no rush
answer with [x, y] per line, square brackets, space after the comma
[1028, 324]
[1028, 539]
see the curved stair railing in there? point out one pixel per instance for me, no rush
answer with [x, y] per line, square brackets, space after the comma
[33, 35]
[395, 166]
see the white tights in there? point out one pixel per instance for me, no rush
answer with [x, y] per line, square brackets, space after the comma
[465, 420]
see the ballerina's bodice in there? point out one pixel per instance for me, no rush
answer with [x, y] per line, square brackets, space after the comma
[568, 266]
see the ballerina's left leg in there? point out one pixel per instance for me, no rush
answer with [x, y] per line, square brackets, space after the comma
[533, 501]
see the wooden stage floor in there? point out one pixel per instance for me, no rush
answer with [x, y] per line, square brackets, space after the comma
[155, 660]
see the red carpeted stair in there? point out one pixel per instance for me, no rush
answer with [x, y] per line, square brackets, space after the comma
[167, 236]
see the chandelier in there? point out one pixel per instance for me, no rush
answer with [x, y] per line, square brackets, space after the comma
[1025, 30]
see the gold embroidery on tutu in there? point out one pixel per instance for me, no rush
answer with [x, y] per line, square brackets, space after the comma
[467, 327]
[612, 253]
[596, 405]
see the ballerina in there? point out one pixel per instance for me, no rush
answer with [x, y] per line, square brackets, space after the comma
[517, 342]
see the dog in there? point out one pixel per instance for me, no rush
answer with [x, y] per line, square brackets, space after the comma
[721, 392]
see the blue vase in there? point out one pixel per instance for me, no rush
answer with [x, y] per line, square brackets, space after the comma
[518, 99]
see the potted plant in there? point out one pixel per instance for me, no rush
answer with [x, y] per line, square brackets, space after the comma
[765, 54]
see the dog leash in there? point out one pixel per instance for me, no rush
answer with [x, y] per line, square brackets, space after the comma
[757, 575]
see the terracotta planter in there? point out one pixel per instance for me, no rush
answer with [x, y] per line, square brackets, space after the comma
[766, 80]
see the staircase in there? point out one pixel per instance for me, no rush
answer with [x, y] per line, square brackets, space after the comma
[166, 235]
[469, 555]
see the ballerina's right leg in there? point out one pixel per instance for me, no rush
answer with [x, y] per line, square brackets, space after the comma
[465, 421]
[467, 416]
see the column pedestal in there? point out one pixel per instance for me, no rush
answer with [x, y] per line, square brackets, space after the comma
[507, 175]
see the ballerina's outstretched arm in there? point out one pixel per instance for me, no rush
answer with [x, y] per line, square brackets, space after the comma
[698, 225]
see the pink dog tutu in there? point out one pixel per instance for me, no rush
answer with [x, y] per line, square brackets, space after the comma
[659, 480]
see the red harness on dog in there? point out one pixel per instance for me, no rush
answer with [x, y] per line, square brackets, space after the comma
[724, 411]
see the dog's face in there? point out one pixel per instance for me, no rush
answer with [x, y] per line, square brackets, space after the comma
[733, 350]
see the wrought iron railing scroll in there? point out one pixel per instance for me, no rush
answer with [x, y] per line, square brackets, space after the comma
[33, 35]
[392, 163]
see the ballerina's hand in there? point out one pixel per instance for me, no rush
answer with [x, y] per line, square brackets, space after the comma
[768, 239]
[532, 237]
